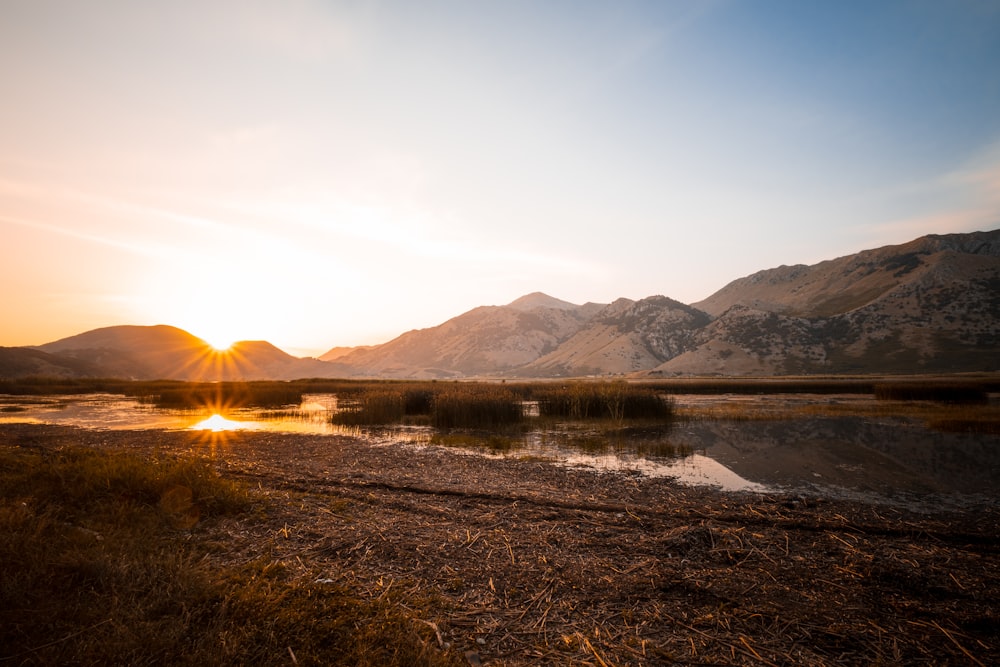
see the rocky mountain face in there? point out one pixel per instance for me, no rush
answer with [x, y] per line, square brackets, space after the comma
[489, 340]
[931, 305]
[623, 337]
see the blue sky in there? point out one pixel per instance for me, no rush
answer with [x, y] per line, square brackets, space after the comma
[336, 173]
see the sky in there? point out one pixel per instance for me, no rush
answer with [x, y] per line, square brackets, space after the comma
[318, 173]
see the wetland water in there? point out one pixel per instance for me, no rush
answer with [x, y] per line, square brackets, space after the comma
[887, 459]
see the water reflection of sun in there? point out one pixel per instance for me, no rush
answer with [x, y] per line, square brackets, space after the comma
[215, 432]
[217, 423]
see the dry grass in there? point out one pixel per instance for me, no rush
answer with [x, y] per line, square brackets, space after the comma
[373, 407]
[937, 415]
[354, 553]
[107, 559]
[602, 400]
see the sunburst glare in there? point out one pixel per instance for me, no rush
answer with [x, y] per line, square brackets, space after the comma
[220, 344]
[217, 423]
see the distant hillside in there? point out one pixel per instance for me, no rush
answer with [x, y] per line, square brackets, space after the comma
[624, 337]
[16, 362]
[136, 351]
[539, 300]
[335, 353]
[840, 285]
[488, 340]
[166, 352]
[925, 306]
[930, 305]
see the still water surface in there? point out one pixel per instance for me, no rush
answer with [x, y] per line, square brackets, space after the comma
[883, 459]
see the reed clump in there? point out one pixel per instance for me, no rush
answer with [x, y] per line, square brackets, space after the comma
[418, 400]
[217, 395]
[375, 407]
[475, 406]
[445, 406]
[603, 400]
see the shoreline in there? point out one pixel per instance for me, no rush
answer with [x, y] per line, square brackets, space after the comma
[533, 563]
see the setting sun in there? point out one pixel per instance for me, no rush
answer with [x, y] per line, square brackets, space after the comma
[219, 338]
[220, 345]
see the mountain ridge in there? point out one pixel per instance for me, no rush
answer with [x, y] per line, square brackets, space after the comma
[928, 305]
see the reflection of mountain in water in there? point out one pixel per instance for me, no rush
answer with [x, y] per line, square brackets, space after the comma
[885, 456]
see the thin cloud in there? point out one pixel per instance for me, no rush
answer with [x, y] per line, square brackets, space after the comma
[120, 244]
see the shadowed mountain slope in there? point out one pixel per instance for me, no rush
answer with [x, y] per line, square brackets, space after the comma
[139, 352]
[926, 306]
[19, 362]
[166, 352]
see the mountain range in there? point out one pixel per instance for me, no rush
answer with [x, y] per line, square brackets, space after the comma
[930, 305]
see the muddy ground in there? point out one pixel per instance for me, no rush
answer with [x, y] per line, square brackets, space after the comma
[531, 563]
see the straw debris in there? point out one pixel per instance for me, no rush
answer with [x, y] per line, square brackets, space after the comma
[527, 563]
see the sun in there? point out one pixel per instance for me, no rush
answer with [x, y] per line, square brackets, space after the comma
[220, 344]
[220, 341]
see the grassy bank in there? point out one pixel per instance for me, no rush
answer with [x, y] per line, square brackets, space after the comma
[107, 559]
[333, 550]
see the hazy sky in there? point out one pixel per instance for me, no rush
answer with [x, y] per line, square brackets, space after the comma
[323, 173]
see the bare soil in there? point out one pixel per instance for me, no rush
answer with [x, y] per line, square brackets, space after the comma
[530, 563]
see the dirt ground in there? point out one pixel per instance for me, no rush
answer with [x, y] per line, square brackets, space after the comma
[531, 563]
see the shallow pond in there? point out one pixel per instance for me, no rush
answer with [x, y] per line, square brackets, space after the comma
[889, 459]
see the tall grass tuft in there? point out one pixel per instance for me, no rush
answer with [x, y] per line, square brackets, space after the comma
[219, 395]
[418, 400]
[374, 407]
[475, 406]
[603, 400]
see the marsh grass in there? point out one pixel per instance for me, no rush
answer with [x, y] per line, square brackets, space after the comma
[376, 407]
[735, 412]
[948, 416]
[445, 406]
[105, 561]
[480, 406]
[602, 400]
[218, 395]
